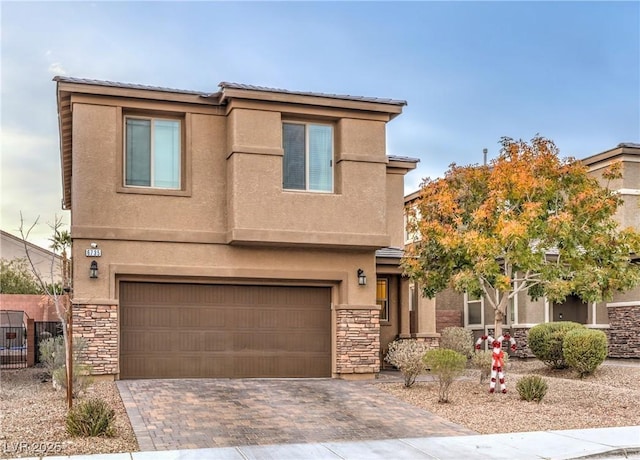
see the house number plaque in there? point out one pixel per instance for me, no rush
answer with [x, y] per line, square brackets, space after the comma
[93, 252]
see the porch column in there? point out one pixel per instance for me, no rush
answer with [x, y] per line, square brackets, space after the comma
[405, 314]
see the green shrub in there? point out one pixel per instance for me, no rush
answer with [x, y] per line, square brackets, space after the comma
[93, 417]
[407, 355]
[457, 339]
[532, 388]
[584, 350]
[481, 360]
[446, 365]
[53, 355]
[545, 341]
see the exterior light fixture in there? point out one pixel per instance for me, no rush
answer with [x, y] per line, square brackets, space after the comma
[362, 278]
[93, 269]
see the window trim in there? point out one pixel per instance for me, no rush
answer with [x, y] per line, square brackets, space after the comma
[185, 152]
[386, 319]
[306, 125]
[466, 311]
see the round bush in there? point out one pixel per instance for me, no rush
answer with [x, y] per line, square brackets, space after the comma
[546, 339]
[458, 339]
[584, 350]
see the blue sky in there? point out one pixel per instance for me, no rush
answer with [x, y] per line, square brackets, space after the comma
[471, 72]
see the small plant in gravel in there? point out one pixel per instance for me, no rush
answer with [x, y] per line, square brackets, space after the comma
[81, 378]
[481, 360]
[446, 365]
[407, 355]
[92, 417]
[457, 339]
[585, 350]
[52, 353]
[53, 356]
[546, 340]
[532, 388]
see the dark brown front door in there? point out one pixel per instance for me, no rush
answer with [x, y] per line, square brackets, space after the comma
[199, 330]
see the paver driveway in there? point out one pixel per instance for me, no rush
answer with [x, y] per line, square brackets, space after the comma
[200, 413]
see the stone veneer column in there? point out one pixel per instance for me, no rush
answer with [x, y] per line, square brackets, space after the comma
[98, 325]
[521, 335]
[357, 340]
[624, 331]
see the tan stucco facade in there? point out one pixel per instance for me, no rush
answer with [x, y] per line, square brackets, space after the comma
[230, 221]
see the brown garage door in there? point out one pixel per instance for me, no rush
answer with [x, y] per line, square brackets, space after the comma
[198, 330]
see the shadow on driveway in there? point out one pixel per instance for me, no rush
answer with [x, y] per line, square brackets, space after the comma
[201, 413]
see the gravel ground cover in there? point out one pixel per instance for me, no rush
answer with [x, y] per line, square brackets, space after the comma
[32, 418]
[608, 398]
[32, 413]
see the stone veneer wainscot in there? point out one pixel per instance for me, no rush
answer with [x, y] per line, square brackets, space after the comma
[358, 341]
[624, 332]
[98, 325]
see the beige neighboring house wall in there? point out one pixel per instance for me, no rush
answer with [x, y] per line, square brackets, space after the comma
[619, 318]
[230, 231]
[46, 262]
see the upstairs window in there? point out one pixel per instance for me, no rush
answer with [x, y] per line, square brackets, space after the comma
[308, 157]
[152, 152]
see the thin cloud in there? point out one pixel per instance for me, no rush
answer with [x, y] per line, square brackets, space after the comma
[57, 69]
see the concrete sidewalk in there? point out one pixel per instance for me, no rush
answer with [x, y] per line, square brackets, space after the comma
[600, 443]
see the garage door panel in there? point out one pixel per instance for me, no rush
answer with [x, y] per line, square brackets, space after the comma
[185, 330]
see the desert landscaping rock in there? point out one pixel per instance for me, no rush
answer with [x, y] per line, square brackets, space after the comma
[32, 418]
[32, 414]
[606, 399]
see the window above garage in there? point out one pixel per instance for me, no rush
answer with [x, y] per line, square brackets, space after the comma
[308, 157]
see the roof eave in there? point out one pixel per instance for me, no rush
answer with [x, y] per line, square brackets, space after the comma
[390, 107]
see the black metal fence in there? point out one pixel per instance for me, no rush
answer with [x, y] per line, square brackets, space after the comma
[45, 330]
[13, 347]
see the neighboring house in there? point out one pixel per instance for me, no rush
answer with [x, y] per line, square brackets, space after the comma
[229, 234]
[47, 263]
[620, 318]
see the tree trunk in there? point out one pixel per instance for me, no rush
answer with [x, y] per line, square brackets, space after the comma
[497, 325]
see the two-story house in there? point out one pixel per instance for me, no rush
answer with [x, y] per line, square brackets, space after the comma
[233, 234]
[619, 318]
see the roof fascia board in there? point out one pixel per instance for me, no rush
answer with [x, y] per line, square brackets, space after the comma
[392, 110]
[609, 154]
[305, 111]
[135, 93]
[399, 164]
[146, 104]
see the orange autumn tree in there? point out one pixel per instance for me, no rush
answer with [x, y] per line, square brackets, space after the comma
[529, 221]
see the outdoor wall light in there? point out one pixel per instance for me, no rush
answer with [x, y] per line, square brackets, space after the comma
[362, 278]
[93, 269]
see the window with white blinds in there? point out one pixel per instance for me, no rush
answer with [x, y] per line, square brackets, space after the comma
[308, 157]
[152, 152]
